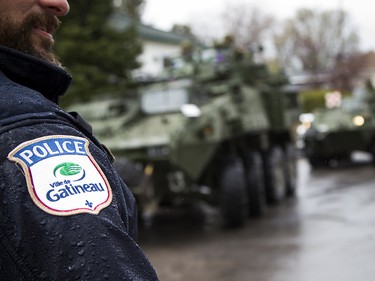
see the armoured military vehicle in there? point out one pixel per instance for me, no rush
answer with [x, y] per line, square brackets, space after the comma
[216, 127]
[337, 132]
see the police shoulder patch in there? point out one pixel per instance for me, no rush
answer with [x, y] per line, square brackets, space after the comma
[62, 176]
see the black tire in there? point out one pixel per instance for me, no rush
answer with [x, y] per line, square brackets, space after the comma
[290, 170]
[315, 161]
[274, 174]
[372, 152]
[255, 183]
[234, 202]
[130, 172]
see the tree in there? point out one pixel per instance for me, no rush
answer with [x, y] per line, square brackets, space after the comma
[183, 30]
[99, 57]
[312, 40]
[347, 69]
[248, 25]
[132, 8]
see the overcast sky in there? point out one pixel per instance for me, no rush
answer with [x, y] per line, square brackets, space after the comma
[164, 13]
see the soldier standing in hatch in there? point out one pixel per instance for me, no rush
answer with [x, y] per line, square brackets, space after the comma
[65, 213]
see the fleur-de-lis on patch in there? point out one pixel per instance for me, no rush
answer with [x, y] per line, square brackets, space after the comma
[89, 204]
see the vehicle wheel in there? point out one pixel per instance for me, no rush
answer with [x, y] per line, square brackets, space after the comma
[314, 160]
[255, 183]
[234, 201]
[130, 172]
[274, 174]
[372, 152]
[290, 170]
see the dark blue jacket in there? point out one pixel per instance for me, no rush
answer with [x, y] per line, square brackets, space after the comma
[44, 233]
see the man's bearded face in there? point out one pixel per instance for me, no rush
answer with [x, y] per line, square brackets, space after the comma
[31, 35]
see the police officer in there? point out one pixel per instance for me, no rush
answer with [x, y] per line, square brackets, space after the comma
[65, 213]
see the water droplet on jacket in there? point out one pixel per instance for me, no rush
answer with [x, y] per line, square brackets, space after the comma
[81, 253]
[52, 239]
[103, 235]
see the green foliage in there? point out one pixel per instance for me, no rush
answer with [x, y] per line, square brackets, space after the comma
[99, 57]
[133, 8]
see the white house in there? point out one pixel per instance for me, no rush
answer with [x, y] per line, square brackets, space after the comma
[157, 44]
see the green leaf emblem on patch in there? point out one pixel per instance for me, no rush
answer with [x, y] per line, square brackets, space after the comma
[67, 169]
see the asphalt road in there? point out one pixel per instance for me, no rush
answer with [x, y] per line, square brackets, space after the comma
[326, 233]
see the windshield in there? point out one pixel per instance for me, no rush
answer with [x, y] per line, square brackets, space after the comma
[168, 97]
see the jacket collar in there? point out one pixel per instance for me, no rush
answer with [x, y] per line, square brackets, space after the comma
[46, 78]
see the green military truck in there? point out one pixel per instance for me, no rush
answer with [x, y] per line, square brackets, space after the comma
[215, 127]
[336, 133]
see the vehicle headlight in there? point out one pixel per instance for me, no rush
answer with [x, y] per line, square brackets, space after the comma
[191, 110]
[358, 120]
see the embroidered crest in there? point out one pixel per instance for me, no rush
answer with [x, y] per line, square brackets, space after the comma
[62, 176]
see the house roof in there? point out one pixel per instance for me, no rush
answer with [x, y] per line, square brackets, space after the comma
[121, 22]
